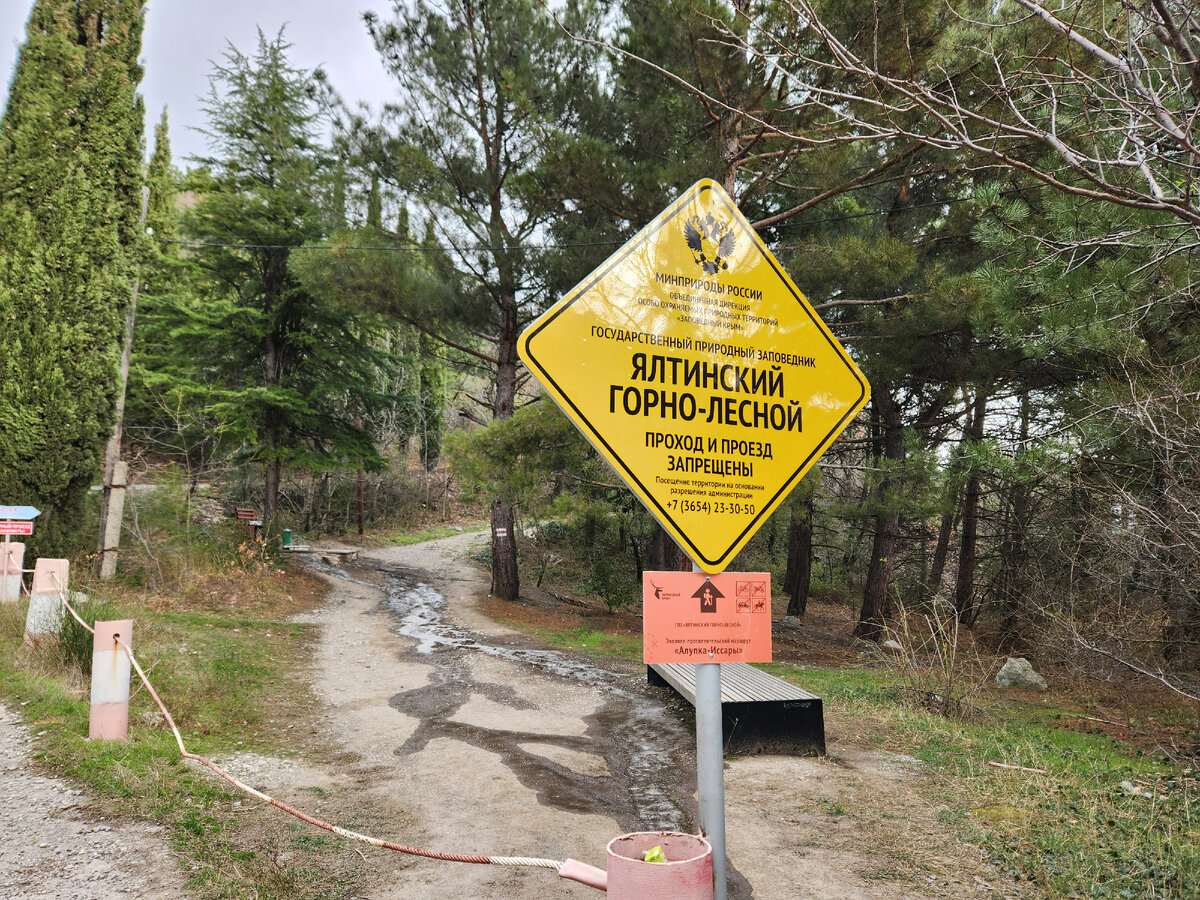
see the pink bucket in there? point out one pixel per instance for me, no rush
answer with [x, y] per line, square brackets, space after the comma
[686, 875]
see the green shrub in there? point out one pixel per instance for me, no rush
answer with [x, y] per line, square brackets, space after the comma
[75, 641]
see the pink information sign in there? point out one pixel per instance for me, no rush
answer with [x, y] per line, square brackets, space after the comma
[693, 617]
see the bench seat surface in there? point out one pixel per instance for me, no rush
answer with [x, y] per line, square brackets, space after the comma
[759, 712]
[740, 683]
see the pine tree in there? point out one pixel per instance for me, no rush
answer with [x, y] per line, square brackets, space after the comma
[70, 172]
[493, 92]
[285, 372]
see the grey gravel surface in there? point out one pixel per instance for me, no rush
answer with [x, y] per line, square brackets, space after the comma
[55, 849]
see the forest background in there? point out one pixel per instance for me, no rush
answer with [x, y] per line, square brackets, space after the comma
[994, 210]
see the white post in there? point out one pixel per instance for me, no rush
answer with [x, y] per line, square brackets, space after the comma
[115, 510]
[12, 560]
[44, 618]
[109, 719]
[710, 767]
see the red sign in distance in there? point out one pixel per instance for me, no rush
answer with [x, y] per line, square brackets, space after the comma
[698, 618]
[16, 527]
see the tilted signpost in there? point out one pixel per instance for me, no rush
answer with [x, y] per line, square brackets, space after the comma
[16, 520]
[695, 366]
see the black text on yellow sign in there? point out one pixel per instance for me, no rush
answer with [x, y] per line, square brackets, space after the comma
[696, 367]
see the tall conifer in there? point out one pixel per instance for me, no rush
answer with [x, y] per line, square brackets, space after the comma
[284, 372]
[70, 169]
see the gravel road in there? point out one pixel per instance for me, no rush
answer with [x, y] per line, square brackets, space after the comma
[53, 849]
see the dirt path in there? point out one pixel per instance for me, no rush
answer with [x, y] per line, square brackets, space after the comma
[52, 847]
[460, 735]
[490, 749]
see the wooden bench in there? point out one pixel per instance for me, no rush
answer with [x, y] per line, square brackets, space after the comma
[250, 517]
[759, 712]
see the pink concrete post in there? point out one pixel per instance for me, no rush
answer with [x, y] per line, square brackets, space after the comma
[686, 875]
[109, 720]
[44, 619]
[12, 560]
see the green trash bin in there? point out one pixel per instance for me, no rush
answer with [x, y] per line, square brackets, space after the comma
[287, 538]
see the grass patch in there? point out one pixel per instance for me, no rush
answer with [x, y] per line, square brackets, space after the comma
[833, 808]
[584, 638]
[420, 536]
[231, 678]
[863, 689]
[1073, 832]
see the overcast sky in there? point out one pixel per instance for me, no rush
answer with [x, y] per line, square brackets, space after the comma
[182, 37]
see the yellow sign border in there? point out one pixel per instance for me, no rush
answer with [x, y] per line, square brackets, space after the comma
[594, 435]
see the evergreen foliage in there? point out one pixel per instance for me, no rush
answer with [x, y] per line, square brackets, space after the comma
[995, 212]
[285, 374]
[492, 94]
[357, 271]
[70, 174]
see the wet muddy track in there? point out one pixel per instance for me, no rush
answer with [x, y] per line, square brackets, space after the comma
[648, 749]
[635, 734]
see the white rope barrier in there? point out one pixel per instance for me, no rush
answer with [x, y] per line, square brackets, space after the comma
[522, 861]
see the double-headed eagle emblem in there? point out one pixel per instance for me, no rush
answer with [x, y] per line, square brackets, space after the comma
[711, 242]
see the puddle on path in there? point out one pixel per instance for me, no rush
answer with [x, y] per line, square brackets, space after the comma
[634, 733]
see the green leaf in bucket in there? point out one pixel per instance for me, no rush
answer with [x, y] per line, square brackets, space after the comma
[654, 854]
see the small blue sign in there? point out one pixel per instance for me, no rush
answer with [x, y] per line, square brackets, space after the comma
[19, 512]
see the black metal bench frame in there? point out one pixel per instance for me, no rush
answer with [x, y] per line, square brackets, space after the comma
[759, 712]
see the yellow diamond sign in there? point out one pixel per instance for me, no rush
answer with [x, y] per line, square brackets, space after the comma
[698, 370]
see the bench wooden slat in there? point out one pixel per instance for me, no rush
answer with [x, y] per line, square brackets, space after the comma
[249, 517]
[740, 683]
[760, 713]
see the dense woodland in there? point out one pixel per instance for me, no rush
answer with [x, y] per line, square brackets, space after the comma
[995, 208]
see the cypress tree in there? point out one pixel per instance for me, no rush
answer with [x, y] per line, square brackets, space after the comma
[285, 373]
[70, 170]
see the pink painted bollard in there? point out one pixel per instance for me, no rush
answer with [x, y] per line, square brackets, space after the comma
[43, 621]
[109, 719]
[686, 875]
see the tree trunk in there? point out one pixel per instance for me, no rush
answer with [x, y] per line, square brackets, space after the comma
[106, 561]
[964, 586]
[872, 617]
[309, 500]
[1012, 547]
[937, 567]
[505, 582]
[797, 578]
[271, 498]
[665, 555]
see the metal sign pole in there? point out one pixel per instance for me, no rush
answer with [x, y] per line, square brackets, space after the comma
[710, 766]
[641, 359]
